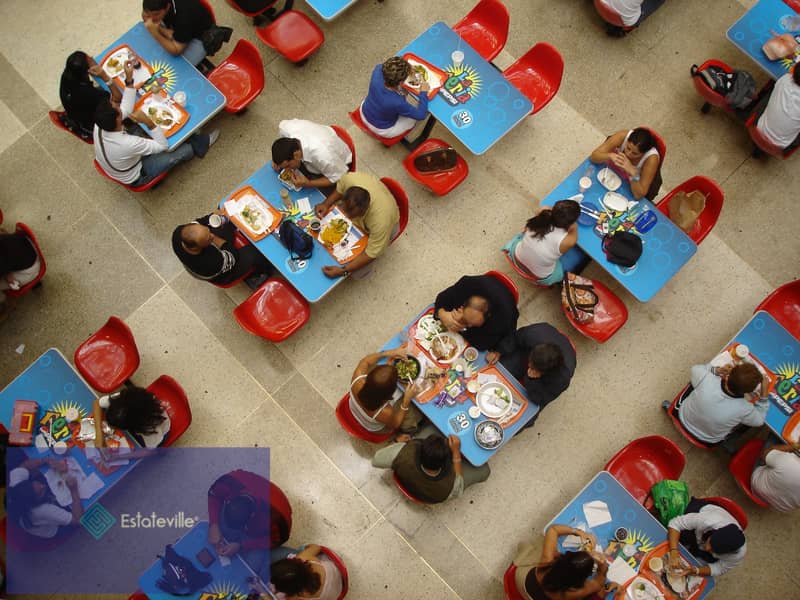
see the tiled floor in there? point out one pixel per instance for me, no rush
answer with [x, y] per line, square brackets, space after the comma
[108, 252]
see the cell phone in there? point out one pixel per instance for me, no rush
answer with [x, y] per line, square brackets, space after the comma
[205, 557]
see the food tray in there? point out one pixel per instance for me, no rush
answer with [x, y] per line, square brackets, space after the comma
[354, 238]
[435, 76]
[156, 103]
[120, 54]
[257, 202]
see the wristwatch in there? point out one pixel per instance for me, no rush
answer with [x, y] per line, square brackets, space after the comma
[345, 272]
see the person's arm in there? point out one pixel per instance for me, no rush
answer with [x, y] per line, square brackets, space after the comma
[302, 181]
[310, 552]
[605, 150]
[76, 508]
[128, 100]
[392, 416]
[700, 372]
[99, 438]
[570, 239]
[359, 262]
[323, 207]
[555, 531]
[157, 142]
[164, 37]
[779, 448]
[455, 455]
[418, 112]
[449, 301]
[757, 414]
[97, 71]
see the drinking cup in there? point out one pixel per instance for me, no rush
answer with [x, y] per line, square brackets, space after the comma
[458, 58]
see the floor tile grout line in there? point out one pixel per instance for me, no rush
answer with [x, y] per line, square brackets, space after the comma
[425, 562]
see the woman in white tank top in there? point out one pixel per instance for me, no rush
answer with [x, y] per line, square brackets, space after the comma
[548, 235]
[372, 392]
[310, 575]
[634, 156]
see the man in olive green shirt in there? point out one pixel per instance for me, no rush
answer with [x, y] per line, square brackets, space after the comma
[371, 207]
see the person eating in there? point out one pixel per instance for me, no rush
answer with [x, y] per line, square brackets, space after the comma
[178, 26]
[385, 111]
[135, 410]
[633, 155]
[80, 97]
[309, 574]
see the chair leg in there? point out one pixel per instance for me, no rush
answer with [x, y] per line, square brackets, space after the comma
[426, 132]
[758, 152]
[37, 286]
[705, 108]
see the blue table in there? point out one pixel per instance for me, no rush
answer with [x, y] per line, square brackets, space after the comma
[55, 386]
[666, 247]
[644, 531]
[446, 418]
[481, 106]
[329, 9]
[175, 73]
[232, 581]
[751, 31]
[308, 279]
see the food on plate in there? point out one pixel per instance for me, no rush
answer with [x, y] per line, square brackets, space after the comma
[407, 368]
[432, 372]
[444, 347]
[160, 116]
[417, 75]
[334, 231]
[252, 217]
[429, 326]
[286, 175]
[113, 63]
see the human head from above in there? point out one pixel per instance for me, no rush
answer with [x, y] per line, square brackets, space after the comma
[155, 10]
[379, 386]
[355, 202]
[724, 540]
[77, 66]
[134, 409]
[562, 215]
[195, 237]
[238, 510]
[742, 379]
[287, 153]
[434, 452]
[639, 141]
[568, 571]
[27, 495]
[107, 117]
[293, 576]
[395, 70]
[543, 359]
[473, 313]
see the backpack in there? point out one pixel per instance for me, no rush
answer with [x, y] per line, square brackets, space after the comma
[578, 297]
[179, 576]
[742, 91]
[716, 78]
[214, 37]
[622, 248]
[670, 499]
[299, 244]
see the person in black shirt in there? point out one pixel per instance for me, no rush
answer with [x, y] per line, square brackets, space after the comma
[208, 252]
[178, 25]
[19, 263]
[79, 96]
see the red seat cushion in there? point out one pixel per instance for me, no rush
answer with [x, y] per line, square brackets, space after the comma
[439, 183]
[274, 311]
[292, 34]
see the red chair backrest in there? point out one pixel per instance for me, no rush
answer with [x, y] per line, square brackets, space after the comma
[644, 462]
[176, 403]
[335, 559]
[760, 140]
[506, 281]
[736, 511]
[402, 203]
[706, 92]
[405, 492]
[742, 465]
[345, 137]
[55, 120]
[26, 231]
[140, 188]
[548, 63]
[784, 306]
[354, 428]
[608, 14]
[485, 28]
[679, 426]
[246, 56]
[510, 584]
[274, 311]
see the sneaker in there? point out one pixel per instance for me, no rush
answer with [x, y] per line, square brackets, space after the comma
[255, 281]
[213, 137]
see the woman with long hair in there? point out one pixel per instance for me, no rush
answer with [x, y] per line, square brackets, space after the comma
[79, 95]
[134, 410]
[547, 236]
[308, 576]
[634, 156]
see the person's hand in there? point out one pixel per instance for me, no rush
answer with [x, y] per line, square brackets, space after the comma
[424, 86]
[492, 357]
[724, 370]
[682, 571]
[334, 272]
[214, 534]
[450, 319]
[454, 443]
[298, 179]
[412, 389]
[228, 549]
[138, 116]
[623, 163]
[610, 586]
[395, 353]
[321, 210]
[588, 539]
[98, 71]
[675, 562]
[71, 481]
[59, 466]
[149, 24]
[128, 68]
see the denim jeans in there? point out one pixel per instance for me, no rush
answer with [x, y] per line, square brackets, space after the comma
[194, 52]
[155, 164]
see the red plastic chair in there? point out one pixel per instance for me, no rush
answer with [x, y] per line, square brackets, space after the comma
[485, 28]
[354, 428]
[711, 97]
[609, 15]
[55, 118]
[138, 595]
[762, 143]
[274, 311]
[175, 402]
[510, 584]
[240, 77]
[345, 137]
[355, 116]
[16, 538]
[292, 34]
[736, 511]
[610, 314]
[537, 74]
[714, 199]
[108, 357]
[742, 465]
[441, 183]
[25, 230]
[336, 559]
[139, 188]
[795, 4]
[402, 204]
[644, 462]
[405, 492]
[239, 241]
[784, 305]
[672, 412]
[506, 281]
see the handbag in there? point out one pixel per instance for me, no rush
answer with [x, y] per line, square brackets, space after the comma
[214, 37]
[622, 248]
[435, 161]
[299, 244]
[578, 297]
[670, 499]
[179, 576]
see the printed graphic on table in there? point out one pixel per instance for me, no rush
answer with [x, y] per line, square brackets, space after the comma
[168, 515]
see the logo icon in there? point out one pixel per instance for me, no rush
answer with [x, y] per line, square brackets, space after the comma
[463, 83]
[97, 520]
[462, 119]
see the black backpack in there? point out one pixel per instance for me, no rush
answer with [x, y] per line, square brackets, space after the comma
[622, 248]
[179, 576]
[738, 87]
[299, 244]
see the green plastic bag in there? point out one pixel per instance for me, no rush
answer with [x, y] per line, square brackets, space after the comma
[670, 499]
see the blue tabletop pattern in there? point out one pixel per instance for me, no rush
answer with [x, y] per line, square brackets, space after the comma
[666, 247]
[751, 31]
[307, 277]
[203, 100]
[227, 582]
[482, 106]
[644, 531]
[443, 417]
[329, 9]
[55, 386]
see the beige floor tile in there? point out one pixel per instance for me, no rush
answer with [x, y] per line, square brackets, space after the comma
[12, 128]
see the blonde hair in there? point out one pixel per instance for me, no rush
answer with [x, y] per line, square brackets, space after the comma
[394, 71]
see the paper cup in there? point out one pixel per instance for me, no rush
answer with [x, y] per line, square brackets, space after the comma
[315, 225]
[474, 412]
[584, 184]
[60, 447]
[216, 220]
[741, 352]
[457, 57]
[473, 386]
[471, 354]
[180, 97]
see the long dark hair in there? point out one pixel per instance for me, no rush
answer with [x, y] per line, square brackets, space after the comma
[77, 67]
[563, 214]
[136, 410]
[379, 386]
[22, 498]
[568, 571]
[293, 576]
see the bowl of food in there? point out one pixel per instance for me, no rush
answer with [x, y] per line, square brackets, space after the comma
[334, 231]
[408, 368]
[494, 399]
[446, 347]
[488, 435]
[471, 354]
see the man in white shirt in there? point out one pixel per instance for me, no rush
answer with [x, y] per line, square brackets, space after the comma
[780, 121]
[633, 12]
[778, 480]
[315, 150]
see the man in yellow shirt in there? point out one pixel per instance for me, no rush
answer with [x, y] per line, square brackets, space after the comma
[371, 207]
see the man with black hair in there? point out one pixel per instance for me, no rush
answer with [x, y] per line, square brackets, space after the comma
[178, 26]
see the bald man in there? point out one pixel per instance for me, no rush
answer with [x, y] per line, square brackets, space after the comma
[208, 252]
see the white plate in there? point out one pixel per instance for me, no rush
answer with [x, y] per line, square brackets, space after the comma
[428, 326]
[614, 201]
[451, 340]
[162, 109]
[643, 589]
[609, 179]
[490, 399]
[676, 582]
[121, 56]
[433, 79]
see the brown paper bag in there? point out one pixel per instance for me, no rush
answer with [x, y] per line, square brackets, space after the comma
[684, 209]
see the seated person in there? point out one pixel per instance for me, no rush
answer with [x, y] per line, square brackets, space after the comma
[711, 534]
[309, 574]
[79, 95]
[632, 12]
[371, 207]
[430, 467]
[247, 515]
[373, 390]
[561, 576]
[135, 410]
[385, 111]
[543, 359]
[548, 235]
[315, 150]
[209, 253]
[717, 404]
[780, 121]
[480, 308]
[19, 262]
[777, 478]
[634, 157]
[178, 26]
[32, 504]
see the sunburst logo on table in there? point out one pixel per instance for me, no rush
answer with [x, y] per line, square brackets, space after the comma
[636, 539]
[223, 590]
[463, 83]
[787, 385]
[55, 418]
[164, 75]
